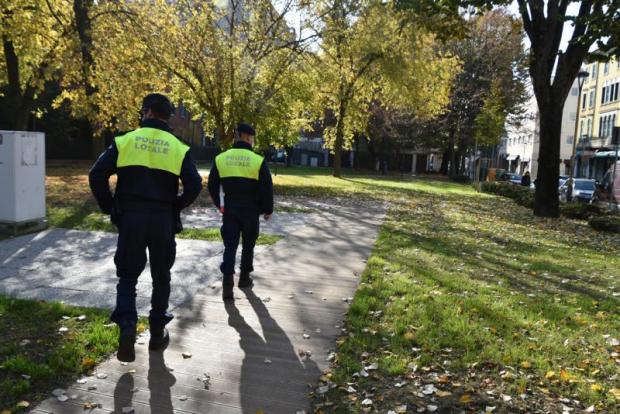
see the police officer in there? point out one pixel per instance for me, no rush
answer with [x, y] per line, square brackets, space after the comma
[148, 163]
[241, 188]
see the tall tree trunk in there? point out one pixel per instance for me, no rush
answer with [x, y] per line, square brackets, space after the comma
[451, 140]
[444, 162]
[19, 103]
[547, 203]
[339, 141]
[83, 25]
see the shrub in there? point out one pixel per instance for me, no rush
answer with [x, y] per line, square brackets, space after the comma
[606, 222]
[463, 179]
[521, 195]
[580, 211]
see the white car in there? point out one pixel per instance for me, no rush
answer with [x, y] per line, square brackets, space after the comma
[583, 190]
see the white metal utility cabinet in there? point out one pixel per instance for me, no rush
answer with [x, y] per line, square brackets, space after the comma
[22, 180]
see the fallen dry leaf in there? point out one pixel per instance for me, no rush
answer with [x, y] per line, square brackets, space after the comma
[465, 399]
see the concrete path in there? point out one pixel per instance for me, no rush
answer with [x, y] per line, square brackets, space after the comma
[261, 354]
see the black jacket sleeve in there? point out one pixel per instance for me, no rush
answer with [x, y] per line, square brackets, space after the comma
[214, 185]
[192, 183]
[99, 177]
[265, 189]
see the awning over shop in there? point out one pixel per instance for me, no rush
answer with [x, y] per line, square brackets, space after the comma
[605, 154]
[585, 154]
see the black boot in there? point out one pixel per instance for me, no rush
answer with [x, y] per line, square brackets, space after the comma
[228, 282]
[126, 345]
[245, 281]
[227, 292]
[159, 339]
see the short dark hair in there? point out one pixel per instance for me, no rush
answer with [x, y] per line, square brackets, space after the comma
[159, 104]
[245, 129]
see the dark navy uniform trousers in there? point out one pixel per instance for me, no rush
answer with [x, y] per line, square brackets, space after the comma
[239, 222]
[140, 230]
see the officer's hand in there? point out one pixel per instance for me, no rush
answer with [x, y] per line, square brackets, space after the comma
[267, 216]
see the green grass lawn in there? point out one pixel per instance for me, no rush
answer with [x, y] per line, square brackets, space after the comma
[36, 357]
[473, 294]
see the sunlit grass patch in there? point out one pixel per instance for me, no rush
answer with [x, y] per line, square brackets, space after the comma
[36, 357]
[213, 234]
[475, 285]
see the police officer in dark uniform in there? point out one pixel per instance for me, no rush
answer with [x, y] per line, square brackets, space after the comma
[145, 207]
[241, 187]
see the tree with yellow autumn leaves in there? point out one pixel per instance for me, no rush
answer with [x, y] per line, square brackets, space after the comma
[227, 61]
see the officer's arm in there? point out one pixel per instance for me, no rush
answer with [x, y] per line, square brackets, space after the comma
[265, 189]
[99, 178]
[192, 182]
[214, 185]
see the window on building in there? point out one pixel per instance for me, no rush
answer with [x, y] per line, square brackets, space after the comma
[584, 100]
[606, 68]
[603, 93]
[594, 68]
[616, 89]
[606, 125]
[591, 103]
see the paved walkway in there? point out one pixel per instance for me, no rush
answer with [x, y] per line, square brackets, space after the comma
[264, 352]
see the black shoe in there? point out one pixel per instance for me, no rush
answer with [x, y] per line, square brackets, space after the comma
[227, 292]
[159, 339]
[245, 281]
[126, 342]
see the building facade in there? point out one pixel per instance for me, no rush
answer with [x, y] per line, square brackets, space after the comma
[600, 112]
[520, 146]
[517, 146]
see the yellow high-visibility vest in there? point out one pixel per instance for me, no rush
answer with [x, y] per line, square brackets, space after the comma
[239, 162]
[151, 148]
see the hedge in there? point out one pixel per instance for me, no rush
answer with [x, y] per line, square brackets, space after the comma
[523, 196]
[606, 222]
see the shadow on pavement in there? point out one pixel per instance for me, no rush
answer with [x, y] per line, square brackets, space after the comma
[276, 346]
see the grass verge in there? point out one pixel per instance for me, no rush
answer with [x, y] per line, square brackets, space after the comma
[36, 357]
[87, 219]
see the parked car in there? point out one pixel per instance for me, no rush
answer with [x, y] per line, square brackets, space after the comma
[511, 178]
[583, 190]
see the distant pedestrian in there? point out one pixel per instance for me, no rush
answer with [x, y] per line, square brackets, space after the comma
[241, 188]
[526, 180]
[148, 163]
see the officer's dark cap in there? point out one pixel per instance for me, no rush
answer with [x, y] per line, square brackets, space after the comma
[245, 129]
[159, 104]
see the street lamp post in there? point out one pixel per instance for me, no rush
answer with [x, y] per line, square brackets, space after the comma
[581, 78]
